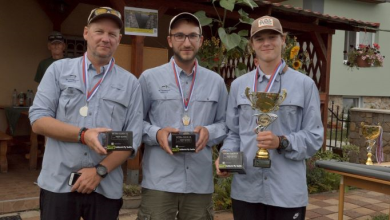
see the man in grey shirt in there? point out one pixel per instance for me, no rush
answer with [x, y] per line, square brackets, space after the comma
[278, 192]
[180, 96]
[77, 100]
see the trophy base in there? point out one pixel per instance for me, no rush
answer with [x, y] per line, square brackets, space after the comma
[263, 163]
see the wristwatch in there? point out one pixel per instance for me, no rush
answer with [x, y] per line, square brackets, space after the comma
[101, 170]
[283, 143]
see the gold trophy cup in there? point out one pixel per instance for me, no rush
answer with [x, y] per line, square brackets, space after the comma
[264, 103]
[370, 132]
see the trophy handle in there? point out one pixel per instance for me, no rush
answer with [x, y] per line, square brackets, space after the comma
[249, 96]
[281, 98]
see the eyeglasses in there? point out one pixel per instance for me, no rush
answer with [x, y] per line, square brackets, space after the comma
[180, 37]
[104, 10]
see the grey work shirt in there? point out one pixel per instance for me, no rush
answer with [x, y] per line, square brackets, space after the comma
[116, 105]
[299, 119]
[163, 107]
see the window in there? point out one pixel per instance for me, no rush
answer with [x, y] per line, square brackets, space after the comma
[349, 102]
[356, 38]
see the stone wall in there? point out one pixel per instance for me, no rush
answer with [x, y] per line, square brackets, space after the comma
[370, 117]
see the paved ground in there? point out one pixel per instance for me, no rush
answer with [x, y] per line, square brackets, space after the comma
[18, 184]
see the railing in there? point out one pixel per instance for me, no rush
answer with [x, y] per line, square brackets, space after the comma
[336, 130]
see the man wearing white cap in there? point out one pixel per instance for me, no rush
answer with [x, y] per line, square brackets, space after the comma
[278, 191]
[181, 96]
[77, 100]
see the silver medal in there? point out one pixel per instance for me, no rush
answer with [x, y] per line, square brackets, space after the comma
[84, 111]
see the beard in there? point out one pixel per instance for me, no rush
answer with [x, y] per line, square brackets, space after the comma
[185, 58]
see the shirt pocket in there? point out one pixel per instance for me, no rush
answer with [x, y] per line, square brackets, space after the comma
[166, 109]
[245, 110]
[204, 109]
[290, 116]
[69, 104]
[113, 109]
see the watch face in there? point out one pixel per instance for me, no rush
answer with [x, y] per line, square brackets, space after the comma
[101, 170]
[285, 143]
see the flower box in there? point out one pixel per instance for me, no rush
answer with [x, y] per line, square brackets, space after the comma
[362, 63]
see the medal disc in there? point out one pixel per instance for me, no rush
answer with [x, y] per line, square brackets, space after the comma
[186, 120]
[83, 111]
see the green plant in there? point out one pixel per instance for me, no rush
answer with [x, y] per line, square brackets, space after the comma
[350, 151]
[368, 53]
[221, 195]
[292, 56]
[381, 217]
[226, 43]
[318, 180]
[131, 190]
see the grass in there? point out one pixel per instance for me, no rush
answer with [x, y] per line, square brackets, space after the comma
[338, 134]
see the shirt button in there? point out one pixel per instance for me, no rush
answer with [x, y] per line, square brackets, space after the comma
[186, 82]
[90, 113]
[85, 154]
[187, 168]
[265, 178]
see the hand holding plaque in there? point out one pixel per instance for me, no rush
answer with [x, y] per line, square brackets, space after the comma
[264, 103]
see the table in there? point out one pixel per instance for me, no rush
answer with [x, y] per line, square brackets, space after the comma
[374, 178]
[13, 114]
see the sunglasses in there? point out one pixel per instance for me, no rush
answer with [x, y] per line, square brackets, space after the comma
[104, 10]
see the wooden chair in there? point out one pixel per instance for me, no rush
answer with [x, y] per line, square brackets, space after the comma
[4, 138]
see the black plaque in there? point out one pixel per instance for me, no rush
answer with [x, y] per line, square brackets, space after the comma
[233, 162]
[118, 141]
[260, 162]
[183, 142]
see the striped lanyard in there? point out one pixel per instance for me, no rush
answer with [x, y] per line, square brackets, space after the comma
[90, 93]
[271, 80]
[186, 101]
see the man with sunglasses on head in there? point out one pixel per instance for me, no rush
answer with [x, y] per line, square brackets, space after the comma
[77, 100]
[181, 96]
[56, 45]
[278, 191]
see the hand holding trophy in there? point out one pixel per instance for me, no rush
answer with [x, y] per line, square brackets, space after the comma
[371, 132]
[264, 103]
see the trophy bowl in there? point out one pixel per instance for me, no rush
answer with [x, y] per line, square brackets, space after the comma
[264, 103]
[370, 133]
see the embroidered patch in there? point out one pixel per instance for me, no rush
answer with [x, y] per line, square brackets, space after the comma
[164, 89]
[266, 22]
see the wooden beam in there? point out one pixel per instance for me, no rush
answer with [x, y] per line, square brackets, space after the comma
[319, 45]
[118, 5]
[137, 54]
[324, 83]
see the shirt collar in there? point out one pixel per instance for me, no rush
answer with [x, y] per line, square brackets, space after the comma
[91, 67]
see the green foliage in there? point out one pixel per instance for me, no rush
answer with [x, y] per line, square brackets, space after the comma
[381, 217]
[318, 180]
[221, 195]
[230, 44]
[131, 190]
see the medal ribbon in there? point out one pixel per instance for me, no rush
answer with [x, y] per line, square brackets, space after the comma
[271, 80]
[178, 83]
[90, 93]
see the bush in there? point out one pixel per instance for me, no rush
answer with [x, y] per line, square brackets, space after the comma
[318, 180]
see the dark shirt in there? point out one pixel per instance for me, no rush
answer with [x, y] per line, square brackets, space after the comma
[43, 65]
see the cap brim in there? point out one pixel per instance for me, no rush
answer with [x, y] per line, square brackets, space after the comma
[184, 15]
[267, 29]
[62, 41]
[110, 16]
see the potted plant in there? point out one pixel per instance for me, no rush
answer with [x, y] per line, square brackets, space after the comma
[364, 56]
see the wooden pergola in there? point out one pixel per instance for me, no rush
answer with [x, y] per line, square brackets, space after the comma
[314, 30]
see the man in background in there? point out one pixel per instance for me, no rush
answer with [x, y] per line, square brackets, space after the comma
[56, 45]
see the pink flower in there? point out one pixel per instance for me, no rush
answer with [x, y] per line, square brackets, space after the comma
[376, 46]
[361, 46]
